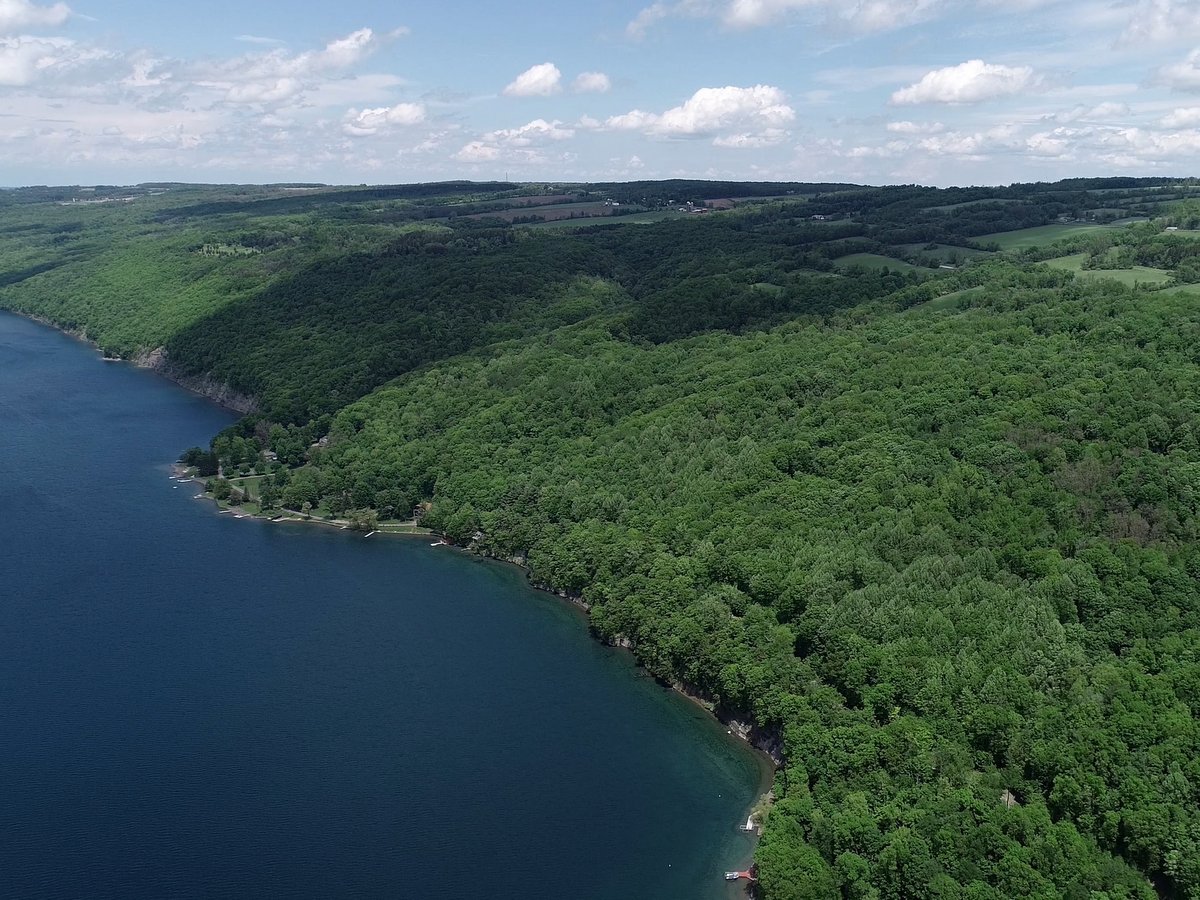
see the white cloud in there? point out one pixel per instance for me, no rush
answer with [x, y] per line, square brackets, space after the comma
[376, 89]
[768, 137]
[973, 145]
[658, 11]
[270, 91]
[533, 132]
[536, 81]
[751, 13]
[147, 73]
[361, 123]
[885, 151]
[476, 152]
[713, 111]
[1182, 76]
[257, 39]
[915, 127]
[1160, 22]
[591, 83]
[340, 54]
[859, 15]
[74, 106]
[1056, 144]
[1126, 144]
[969, 82]
[634, 120]
[279, 76]
[1099, 112]
[17, 14]
[515, 144]
[1181, 118]
[26, 59]
[335, 56]
[646, 19]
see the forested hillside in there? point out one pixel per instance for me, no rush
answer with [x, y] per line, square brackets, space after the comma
[945, 555]
[908, 478]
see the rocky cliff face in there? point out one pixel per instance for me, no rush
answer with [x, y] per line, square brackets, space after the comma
[205, 385]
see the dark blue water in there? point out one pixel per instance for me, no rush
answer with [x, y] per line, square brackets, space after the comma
[195, 706]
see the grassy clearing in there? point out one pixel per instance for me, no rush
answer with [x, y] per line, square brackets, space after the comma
[550, 213]
[646, 218]
[874, 261]
[402, 528]
[1192, 290]
[248, 484]
[946, 253]
[1135, 275]
[1037, 237]
[950, 301]
[968, 203]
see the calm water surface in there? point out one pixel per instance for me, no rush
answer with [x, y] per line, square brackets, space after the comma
[195, 706]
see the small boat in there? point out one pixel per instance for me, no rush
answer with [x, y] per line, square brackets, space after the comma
[749, 826]
[732, 876]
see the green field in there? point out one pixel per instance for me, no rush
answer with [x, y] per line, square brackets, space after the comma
[1136, 275]
[968, 203]
[949, 301]
[873, 261]
[947, 253]
[646, 218]
[1190, 289]
[1036, 237]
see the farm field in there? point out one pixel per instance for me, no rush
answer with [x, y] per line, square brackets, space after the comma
[874, 261]
[1189, 289]
[645, 218]
[969, 203]
[550, 212]
[1036, 237]
[1136, 275]
[947, 253]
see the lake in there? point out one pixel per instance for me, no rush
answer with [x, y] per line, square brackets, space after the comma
[197, 706]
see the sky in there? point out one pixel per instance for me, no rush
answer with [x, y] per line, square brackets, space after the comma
[934, 92]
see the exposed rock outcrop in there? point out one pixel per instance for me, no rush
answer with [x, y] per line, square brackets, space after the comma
[206, 385]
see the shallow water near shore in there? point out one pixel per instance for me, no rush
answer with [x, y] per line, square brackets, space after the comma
[196, 706]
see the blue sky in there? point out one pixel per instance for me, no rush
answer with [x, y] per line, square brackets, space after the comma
[880, 91]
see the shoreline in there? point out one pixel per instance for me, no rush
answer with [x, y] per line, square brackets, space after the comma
[768, 757]
[764, 750]
[155, 361]
[291, 517]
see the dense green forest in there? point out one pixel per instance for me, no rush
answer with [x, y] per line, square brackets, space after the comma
[908, 478]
